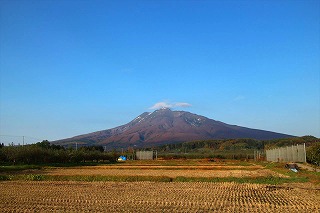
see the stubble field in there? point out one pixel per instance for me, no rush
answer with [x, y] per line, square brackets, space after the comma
[152, 196]
[169, 171]
[46, 196]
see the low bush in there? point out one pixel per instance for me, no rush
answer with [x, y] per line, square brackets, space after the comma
[313, 154]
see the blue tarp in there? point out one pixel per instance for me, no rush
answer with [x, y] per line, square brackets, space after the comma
[122, 158]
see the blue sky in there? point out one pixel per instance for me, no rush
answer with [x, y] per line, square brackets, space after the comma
[74, 67]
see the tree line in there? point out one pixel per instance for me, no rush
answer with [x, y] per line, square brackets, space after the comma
[239, 144]
[225, 144]
[237, 148]
[45, 153]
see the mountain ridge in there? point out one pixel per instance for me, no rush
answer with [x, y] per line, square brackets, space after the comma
[164, 126]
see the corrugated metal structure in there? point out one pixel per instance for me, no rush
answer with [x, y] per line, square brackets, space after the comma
[287, 154]
[146, 155]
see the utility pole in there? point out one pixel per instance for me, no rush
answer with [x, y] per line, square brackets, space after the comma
[22, 140]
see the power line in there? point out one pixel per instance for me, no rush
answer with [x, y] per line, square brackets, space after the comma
[20, 136]
[12, 135]
[19, 139]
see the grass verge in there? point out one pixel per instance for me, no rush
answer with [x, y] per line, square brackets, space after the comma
[15, 168]
[92, 178]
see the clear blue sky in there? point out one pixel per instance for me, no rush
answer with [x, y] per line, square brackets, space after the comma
[74, 67]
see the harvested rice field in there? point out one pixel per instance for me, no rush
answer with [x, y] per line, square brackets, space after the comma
[191, 168]
[163, 186]
[71, 196]
[168, 172]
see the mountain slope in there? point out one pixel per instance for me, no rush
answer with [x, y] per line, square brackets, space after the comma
[165, 126]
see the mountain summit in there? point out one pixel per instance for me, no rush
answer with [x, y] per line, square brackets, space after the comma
[165, 126]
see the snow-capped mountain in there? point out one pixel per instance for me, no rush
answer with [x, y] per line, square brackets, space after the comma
[166, 126]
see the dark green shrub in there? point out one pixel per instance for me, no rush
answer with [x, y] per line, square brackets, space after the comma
[313, 154]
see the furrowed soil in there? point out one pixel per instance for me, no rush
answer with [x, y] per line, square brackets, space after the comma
[64, 196]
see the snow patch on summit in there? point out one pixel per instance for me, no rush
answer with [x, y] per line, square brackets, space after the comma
[196, 122]
[139, 118]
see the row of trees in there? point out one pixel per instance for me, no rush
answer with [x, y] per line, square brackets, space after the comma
[44, 152]
[237, 148]
[227, 144]
[238, 144]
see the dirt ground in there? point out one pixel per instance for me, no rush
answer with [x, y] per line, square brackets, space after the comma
[308, 167]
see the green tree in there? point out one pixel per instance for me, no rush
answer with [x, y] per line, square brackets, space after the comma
[313, 154]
